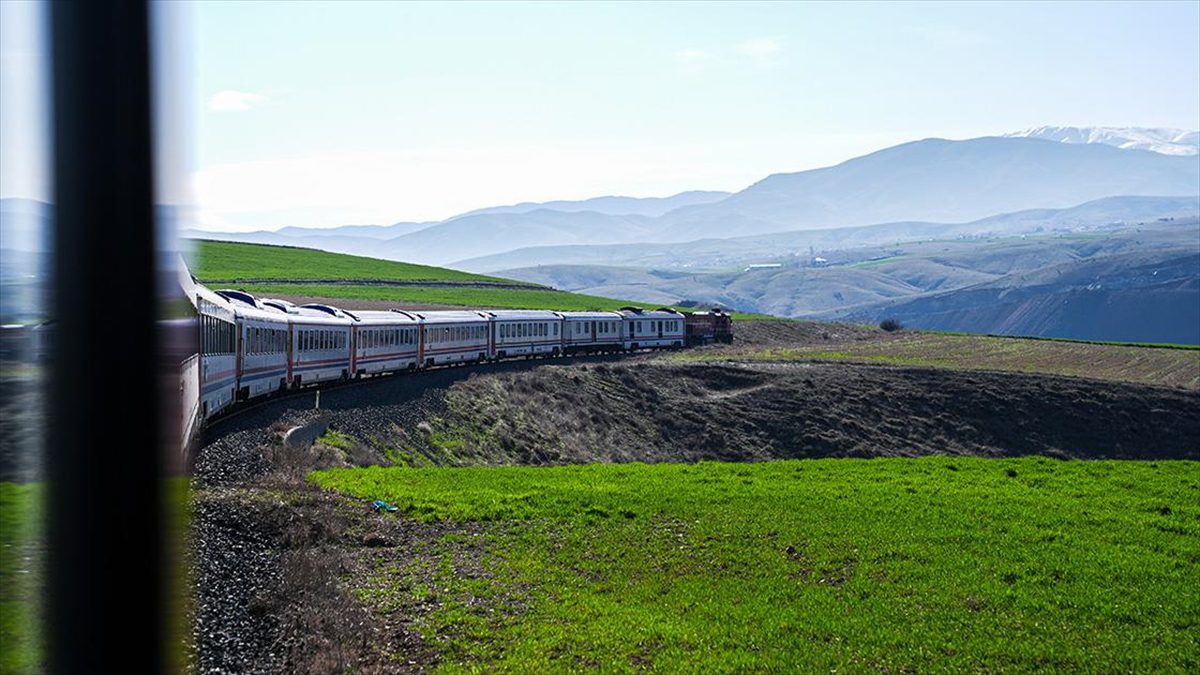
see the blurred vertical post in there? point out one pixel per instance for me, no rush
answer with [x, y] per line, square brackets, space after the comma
[104, 511]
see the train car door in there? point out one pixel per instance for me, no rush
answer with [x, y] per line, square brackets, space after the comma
[240, 349]
[593, 331]
[291, 346]
[354, 338]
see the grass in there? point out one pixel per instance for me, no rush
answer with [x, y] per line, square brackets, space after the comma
[229, 261]
[20, 577]
[23, 553]
[448, 295]
[221, 260]
[1125, 363]
[1119, 343]
[467, 296]
[929, 564]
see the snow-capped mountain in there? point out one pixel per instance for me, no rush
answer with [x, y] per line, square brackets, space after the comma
[1164, 141]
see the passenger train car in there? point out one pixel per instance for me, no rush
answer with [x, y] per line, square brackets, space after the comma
[252, 347]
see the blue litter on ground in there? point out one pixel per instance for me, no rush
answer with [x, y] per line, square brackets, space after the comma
[380, 505]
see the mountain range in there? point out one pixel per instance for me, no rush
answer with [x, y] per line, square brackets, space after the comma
[931, 180]
[839, 241]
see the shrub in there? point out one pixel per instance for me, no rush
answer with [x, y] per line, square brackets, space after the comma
[891, 325]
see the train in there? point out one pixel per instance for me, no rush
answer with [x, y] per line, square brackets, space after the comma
[251, 347]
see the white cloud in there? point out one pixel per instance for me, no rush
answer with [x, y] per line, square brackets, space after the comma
[230, 100]
[763, 51]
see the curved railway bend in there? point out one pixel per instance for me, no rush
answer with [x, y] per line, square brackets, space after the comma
[270, 548]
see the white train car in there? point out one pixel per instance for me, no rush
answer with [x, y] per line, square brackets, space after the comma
[586, 332]
[384, 342]
[262, 364]
[453, 337]
[321, 344]
[217, 380]
[658, 329]
[529, 332]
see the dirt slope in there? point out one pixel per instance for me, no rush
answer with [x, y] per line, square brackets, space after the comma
[653, 411]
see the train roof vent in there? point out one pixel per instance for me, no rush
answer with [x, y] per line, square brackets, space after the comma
[668, 309]
[282, 305]
[331, 311]
[631, 308]
[240, 296]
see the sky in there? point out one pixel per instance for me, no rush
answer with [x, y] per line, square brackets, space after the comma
[319, 115]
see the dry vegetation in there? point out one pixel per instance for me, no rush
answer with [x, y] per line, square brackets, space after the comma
[1170, 366]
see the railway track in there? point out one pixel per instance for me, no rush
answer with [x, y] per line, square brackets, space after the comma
[244, 408]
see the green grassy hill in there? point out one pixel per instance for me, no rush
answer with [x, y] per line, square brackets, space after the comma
[230, 261]
[261, 269]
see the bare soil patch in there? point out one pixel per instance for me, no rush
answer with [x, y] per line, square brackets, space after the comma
[654, 411]
[767, 333]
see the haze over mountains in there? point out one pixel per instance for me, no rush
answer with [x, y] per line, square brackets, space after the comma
[852, 240]
[931, 180]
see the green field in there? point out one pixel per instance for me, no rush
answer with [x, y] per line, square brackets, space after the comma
[946, 564]
[1164, 365]
[228, 261]
[20, 576]
[470, 296]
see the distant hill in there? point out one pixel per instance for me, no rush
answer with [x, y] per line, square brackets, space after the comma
[940, 181]
[613, 206]
[993, 285]
[932, 180]
[1143, 296]
[1106, 213]
[486, 233]
[355, 282]
[25, 224]
[1165, 141]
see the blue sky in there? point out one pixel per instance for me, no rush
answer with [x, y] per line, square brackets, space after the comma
[327, 114]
